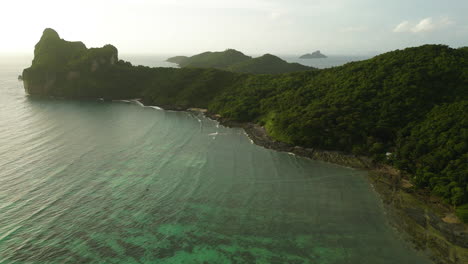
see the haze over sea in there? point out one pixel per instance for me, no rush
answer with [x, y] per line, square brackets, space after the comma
[114, 182]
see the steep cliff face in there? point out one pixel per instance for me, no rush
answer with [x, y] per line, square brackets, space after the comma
[60, 65]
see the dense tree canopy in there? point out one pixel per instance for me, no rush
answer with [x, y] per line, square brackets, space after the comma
[267, 64]
[435, 151]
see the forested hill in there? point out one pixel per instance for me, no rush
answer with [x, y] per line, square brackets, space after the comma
[267, 64]
[218, 60]
[406, 107]
[236, 61]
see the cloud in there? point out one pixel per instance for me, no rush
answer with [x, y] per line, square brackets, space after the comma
[425, 25]
[404, 26]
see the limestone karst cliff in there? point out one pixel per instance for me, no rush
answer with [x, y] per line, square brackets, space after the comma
[61, 65]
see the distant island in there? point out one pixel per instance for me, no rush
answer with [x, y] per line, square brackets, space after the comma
[236, 61]
[314, 55]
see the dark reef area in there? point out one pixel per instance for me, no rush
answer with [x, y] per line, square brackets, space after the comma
[402, 115]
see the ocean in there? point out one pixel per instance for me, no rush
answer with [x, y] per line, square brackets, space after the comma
[115, 182]
[331, 61]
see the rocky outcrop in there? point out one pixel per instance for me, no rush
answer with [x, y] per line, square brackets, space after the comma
[314, 55]
[42, 86]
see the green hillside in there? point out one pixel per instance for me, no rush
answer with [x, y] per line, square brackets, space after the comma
[267, 64]
[217, 60]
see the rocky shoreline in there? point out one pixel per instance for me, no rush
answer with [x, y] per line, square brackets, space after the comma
[428, 223]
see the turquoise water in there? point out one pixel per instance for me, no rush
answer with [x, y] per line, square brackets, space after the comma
[101, 182]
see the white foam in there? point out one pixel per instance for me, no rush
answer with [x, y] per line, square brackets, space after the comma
[155, 107]
[136, 101]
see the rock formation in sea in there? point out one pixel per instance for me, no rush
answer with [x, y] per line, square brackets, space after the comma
[314, 55]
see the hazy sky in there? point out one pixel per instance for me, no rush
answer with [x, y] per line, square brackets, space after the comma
[252, 26]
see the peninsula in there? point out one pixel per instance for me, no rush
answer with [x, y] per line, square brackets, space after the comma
[404, 110]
